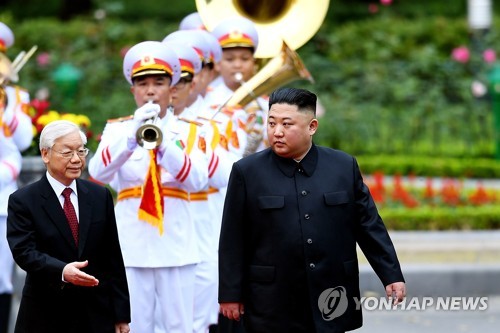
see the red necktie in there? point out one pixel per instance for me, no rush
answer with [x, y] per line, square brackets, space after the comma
[69, 210]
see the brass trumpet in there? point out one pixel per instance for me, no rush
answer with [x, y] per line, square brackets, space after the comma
[149, 136]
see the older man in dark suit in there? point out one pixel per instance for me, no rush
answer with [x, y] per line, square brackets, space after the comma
[292, 217]
[62, 232]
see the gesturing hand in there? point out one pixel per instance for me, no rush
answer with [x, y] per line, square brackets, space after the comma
[73, 274]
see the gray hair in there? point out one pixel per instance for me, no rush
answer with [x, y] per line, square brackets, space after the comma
[56, 129]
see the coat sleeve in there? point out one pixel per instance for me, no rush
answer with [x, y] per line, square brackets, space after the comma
[372, 235]
[22, 242]
[231, 243]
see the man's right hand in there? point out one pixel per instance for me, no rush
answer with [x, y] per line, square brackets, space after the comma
[232, 311]
[72, 274]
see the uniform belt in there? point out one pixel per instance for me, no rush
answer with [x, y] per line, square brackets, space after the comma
[172, 192]
[136, 192]
[212, 190]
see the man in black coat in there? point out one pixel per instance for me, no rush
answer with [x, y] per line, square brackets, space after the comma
[75, 279]
[293, 214]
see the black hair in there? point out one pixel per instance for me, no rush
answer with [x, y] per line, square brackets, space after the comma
[304, 99]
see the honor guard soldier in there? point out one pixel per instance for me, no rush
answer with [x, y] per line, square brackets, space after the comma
[153, 175]
[16, 134]
[238, 38]
[10, 167]
[15, 120]
[207, 219]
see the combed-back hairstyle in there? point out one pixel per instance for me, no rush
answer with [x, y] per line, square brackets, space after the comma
[304, 99]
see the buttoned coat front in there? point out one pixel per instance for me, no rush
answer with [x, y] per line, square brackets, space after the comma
[289, 232]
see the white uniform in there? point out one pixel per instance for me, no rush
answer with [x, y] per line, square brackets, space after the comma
[10, 167]
[16, 122]
[207, 215]
[159, 267]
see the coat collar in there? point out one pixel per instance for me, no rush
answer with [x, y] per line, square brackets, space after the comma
[307, 165]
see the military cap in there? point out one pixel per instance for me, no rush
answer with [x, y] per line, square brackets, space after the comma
[192, 22]
[188, 58]
[236, 32]
[151, 58]
[192, 38]
[6, 37]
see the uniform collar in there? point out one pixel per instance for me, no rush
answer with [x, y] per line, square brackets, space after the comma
[306, 166]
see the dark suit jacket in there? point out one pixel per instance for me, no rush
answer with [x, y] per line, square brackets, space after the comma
[289, 232]
[41, 242]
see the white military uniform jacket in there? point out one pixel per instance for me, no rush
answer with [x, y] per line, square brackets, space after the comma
[205, 211]
[126, 170]
[16, 122]
[245, 124]
[10, 167]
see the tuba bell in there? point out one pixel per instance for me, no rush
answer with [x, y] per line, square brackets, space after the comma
[291, 21]
[283, 26]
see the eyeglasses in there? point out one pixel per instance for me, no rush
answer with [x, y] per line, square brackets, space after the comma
[68, 154]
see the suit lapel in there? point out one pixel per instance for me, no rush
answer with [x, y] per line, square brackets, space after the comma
[85, 211]
[55, 212]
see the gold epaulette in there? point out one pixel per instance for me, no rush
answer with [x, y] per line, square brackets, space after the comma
[15, 86]
[120, 119]
[209, 119]
[191, 121]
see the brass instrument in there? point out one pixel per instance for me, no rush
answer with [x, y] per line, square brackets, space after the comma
[282, 26]
[6, 70]
[9, 70]
[291, 21]
[280, 70]
[149, 136]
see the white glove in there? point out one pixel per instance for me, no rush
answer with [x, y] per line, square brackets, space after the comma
[145, 112]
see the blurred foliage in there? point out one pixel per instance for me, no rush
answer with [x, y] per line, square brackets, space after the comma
[442, 218]
[437, 166]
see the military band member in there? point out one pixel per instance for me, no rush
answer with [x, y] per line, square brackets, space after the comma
[238, 38]
[207, 219]
[15, 122]
[155, 225]
[10, 167]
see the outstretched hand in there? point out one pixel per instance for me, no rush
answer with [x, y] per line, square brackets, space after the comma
[73, 274]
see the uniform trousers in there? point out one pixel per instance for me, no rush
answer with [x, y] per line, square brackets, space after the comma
[206, 306]
[6, 271]
[165, 291]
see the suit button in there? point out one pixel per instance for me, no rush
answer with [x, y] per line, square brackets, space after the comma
[307, 217]
[309, 241]
[304, 193]
[311, 266]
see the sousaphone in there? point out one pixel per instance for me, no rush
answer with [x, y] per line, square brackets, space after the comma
[283, 26]
[291, 21]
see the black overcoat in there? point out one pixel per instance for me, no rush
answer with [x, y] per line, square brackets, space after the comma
[289, 232]
[41, 242]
